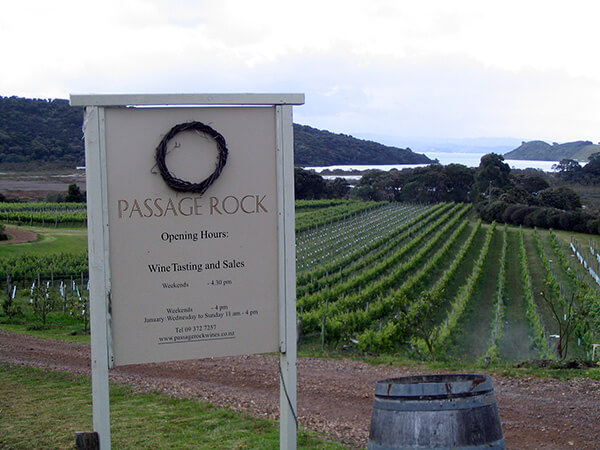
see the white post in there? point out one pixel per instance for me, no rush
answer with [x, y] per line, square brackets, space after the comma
[287, 279]
[98, 250]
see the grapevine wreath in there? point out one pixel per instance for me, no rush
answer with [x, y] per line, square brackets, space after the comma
[187, 186]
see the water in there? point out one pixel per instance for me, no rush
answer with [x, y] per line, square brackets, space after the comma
[473, 159]
[445, 158]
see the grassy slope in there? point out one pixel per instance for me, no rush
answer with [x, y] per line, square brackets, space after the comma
[433, 276]
[537, 276]
[517, 333]
[536, 272]
[74, 240]
[566, 285]
[44, 409]
[70, 331]
[462, 273]
[50, 240]
[429, 254]
[564, 240]
[475, 330]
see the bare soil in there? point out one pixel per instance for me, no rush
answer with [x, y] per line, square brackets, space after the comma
[36, 186]
[18, 236]
[335, 396]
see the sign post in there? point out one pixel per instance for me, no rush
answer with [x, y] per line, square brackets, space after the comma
[191, 233]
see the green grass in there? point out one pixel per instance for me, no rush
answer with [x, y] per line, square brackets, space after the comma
[515, 344]
[62, 332]
[564, 239]
[58, 326]
[473, 335]
[311, 347]
[50, 241]
[462, 273]
[558, 374]
[537, 274]
[44, 409]
[56, 240]
[434, 275]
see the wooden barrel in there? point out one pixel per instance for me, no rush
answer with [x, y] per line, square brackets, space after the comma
[435, 411]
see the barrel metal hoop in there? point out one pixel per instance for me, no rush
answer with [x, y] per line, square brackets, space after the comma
[392, 404]
[496, 445]
[434, 385]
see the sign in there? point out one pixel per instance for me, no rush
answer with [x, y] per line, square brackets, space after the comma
[190, 234]
[192, 275]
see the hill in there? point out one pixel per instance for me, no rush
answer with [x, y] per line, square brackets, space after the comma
[40, 134]
[321, 148]
[46, 134]
[542, 151]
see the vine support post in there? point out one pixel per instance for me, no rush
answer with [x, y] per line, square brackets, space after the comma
[323, 332]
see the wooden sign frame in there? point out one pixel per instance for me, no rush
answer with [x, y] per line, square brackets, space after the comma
[99, 239]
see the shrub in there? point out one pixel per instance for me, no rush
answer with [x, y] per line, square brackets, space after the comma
[519, 214]
[493, 211]
[508, 212]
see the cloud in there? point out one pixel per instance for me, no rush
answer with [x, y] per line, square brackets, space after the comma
[451, 97]
[434, 68]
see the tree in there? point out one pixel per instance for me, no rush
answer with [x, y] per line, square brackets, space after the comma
[460, 182]
[74, 194]
[532, 183]
[561, 197]
[568, 317]
[519, 214]
[308, 185]
[11, 308]
[516, 194]
[592, 169]
[567, 169]
[422, 318]
[425, 184]
[430, 184]
[492, 172]
[364, 193]
[493, 211]
[337, 188]
[373, 185]
[43, 300]
[40, 133]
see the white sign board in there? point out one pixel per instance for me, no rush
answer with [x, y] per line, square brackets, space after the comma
[192, 275]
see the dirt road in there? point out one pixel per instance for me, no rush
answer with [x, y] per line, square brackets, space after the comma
[18, 236]
[334, 395]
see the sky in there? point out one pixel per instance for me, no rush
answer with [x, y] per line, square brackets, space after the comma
[394, 71]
